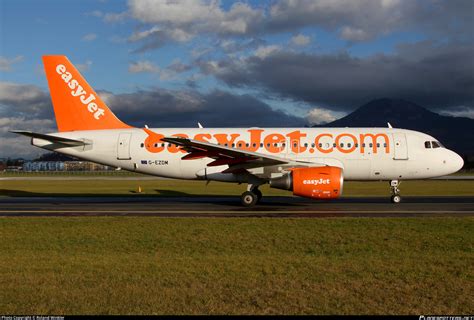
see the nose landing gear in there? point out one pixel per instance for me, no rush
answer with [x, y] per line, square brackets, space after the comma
[396, 198]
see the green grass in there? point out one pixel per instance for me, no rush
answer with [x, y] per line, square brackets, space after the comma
[143, 265]
[198, 188]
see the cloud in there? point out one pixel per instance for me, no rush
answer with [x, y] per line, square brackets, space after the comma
[355, 21]
[89, 37]
[433, 75]
[181, 21]
[157, 37]
[300, 40]
[354, 34]
[170, 72]
[198, 15]
[143, 66]
[15, 146]
[169, 108]
[27, 101]
[115, 17]
[459, 112]
[6, 63]
[322, 116]
[83, 67]
[368, 19]
[265, 51]
[23, 107]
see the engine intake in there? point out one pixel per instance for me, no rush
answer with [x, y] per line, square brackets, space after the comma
[315, 182]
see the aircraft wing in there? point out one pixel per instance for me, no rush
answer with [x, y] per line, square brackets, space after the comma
[51, 138]
[235, 158]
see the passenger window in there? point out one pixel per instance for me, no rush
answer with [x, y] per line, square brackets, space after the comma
[348, 145]
[261, 145]
[363, 145]
[370, 145]
[283, 144]
[254, 145]
[334, 145]
[142, 145]
[295, 145]
[247, 145]
[320, 145]
[427, 145]
[240, 145]
[233, 145]
[163, 144]
[306, 145]
[356, 145]
[156, 145]
[378, 145]
[275, 144]
[385, 145]
[342, 145]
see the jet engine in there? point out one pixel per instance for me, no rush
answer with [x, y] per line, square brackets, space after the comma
[314, 182]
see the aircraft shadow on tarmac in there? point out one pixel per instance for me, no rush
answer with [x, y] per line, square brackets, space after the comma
[172, 196]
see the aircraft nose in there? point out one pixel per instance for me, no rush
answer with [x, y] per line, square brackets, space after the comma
[456, 162]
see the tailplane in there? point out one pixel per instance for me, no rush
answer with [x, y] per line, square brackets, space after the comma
[76, 105]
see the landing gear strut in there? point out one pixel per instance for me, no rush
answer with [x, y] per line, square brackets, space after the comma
[396, 198]
[251, 197]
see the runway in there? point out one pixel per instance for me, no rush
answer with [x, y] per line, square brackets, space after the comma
[229, 207]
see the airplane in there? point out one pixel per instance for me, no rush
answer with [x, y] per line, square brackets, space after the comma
[310, 162]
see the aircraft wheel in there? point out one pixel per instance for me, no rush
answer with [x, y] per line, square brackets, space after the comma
[249, 199]
[396, 198]
[259, 194]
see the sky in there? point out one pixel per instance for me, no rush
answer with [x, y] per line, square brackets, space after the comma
[235, 63]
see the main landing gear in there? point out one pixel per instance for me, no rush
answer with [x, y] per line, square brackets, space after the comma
[251, 197]
[396, 198]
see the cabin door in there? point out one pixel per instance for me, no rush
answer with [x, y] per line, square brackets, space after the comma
[400, 146]
[123, 146]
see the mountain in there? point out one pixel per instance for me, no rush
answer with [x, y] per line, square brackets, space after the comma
[455, 133]
[54, 156]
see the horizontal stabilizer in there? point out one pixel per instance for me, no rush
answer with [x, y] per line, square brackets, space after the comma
[48, 137]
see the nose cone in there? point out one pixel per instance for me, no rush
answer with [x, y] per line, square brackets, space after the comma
[455, 162]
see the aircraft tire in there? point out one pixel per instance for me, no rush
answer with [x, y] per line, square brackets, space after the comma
[396, 198]
[248, 199]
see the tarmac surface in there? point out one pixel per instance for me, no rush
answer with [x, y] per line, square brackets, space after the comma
[230, 207]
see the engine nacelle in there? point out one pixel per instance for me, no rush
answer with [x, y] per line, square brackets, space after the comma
[313, 182]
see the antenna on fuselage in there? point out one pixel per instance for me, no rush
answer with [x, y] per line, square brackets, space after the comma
[200, 125]
[146, 126]
[389, 125]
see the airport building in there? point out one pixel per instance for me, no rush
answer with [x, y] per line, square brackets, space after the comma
[35, 166]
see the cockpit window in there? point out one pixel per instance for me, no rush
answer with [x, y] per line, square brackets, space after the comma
[435, 144]
[427, 144]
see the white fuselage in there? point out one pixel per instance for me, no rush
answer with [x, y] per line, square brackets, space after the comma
[363, 153]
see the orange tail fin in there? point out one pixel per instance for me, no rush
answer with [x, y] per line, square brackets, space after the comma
[76, 105]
